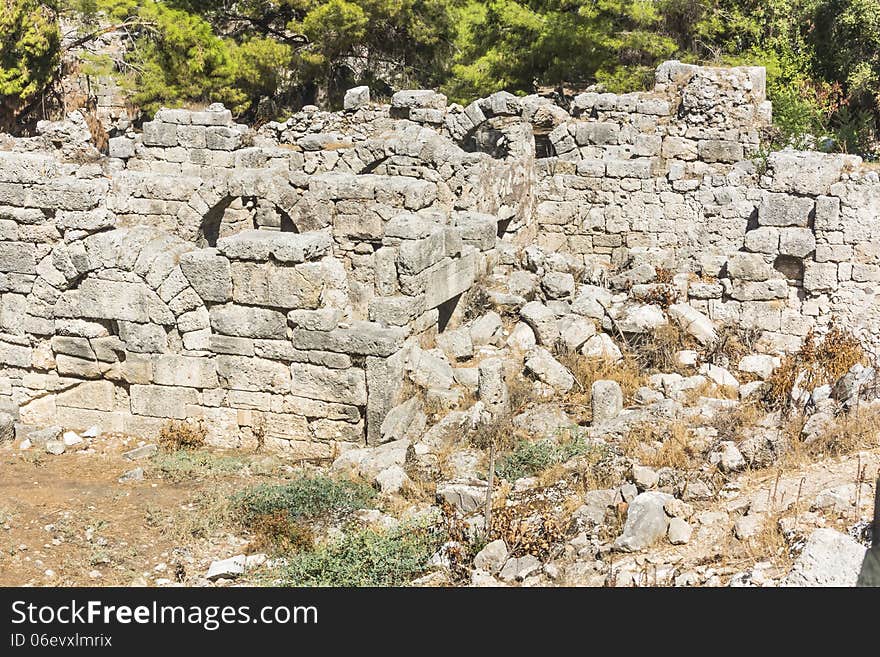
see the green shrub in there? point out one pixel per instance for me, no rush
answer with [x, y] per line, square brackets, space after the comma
[529, 458]
[365, 558]
[307, 497]
[183, 465]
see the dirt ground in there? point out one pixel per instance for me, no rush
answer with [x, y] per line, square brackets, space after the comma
[67, 520]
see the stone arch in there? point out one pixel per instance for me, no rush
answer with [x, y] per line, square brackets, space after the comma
[123, 284]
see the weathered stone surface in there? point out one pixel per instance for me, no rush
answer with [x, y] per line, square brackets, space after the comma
[542, 320]
[362, 338]
[315, 382]
[646, 522]
[607, 400]
[547, 369]
[492, 386]
[186, 371]
[209, 274]
[248, 321]
[828, 559]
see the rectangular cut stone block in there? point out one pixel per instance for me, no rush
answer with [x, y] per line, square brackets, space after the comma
[449, 278]
[273, 285]
[361, 338]
[97, 395]
[316, 382]
[162, 401]
[820, 276]
[414, 256]
[187, 371]
[785, 210]
[157, 133]
[385, 383]
[18, 257]
[248, 322]
[285, 247]
[259, 374]
[719, 150]
[208, 273]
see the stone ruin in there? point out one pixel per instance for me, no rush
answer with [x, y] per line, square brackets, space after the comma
[278, 283]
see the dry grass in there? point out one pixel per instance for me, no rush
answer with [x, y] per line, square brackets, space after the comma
[731, 345]
[182, 435]
[675, 450]
[656, 351]
[769, 544]
[816, 363]
[586, 370]
[851, 432]
[731, 422]
[501, 432]
[276, 533]
[532, 527]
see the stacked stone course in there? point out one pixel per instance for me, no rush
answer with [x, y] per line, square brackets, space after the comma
[276, 283]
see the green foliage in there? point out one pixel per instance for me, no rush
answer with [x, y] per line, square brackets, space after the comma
[530, 458]
[366, 558]
[307, 497]
[519, 45]
[186, 465]
[29, 51]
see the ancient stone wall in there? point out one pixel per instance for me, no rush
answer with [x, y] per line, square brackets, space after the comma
[277, 283]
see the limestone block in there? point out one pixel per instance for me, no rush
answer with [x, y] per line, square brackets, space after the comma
[719, 150]
[820, 276]
[158, 133]
[257, 374]
[356, 98]
[797, 242]
[285, 247]
[96, 395]
[187, 371]
[784, 210]
[361, 338]
[248, 322]
[315, 382]
[19, 257]
[162, 401]
[208, 273]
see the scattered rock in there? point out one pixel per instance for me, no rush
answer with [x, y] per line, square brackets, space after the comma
[518, 568]
[7, 427]
[547, 369]
[607, 400]
[392, 479]
[492, 557]
[55, 447]
[645, 478]
[467, 496]
[732, 459]
[227, 568]
[679, 532]
[142, 452]
[646, 522]
[71, 438]
[828, 559]
[136, 474]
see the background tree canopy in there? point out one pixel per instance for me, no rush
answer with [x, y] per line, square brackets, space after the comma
[264, 58]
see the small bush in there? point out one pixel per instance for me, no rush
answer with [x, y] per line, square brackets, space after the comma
[276, 532]
[366, 558]
[535, 525]
[182, 435]
[184, 465]
[530, 458]
[816, 363]
[307, 497]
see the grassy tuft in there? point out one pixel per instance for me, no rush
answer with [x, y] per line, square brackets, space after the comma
[365, 558]
[530, 458]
